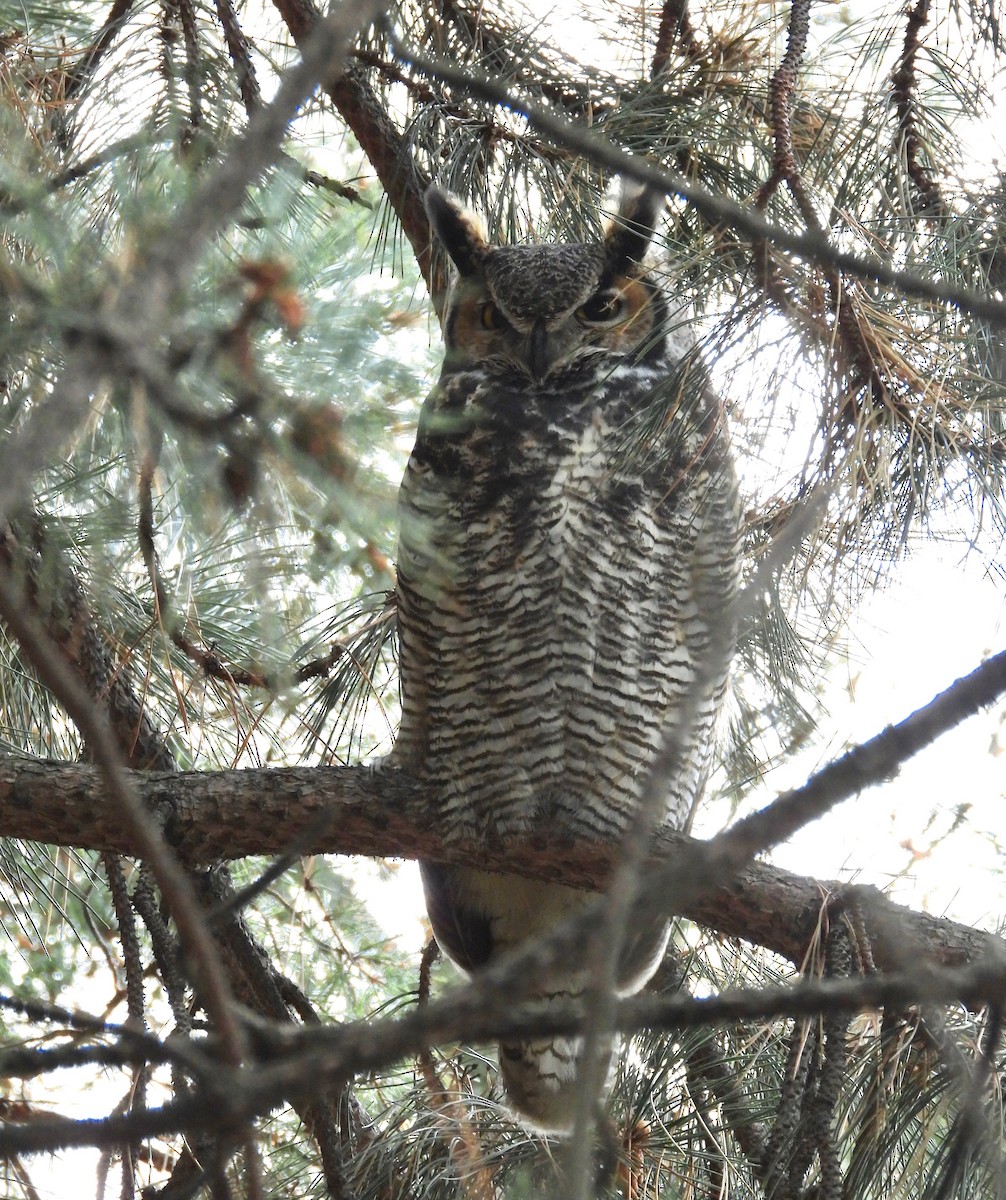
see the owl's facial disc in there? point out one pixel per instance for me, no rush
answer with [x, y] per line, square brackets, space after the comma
[541, 310]
[614, 319]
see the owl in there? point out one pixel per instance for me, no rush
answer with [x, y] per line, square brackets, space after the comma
[568, 550]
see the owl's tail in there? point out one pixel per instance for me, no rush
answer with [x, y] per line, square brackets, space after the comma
[540, 1076]
[540, 1073]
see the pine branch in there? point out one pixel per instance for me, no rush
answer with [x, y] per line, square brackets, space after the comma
[239, 48]
[784, 166]
[191, 71]
[300, 1063]
[675, 27]
[230, 814]
[904, 83]
[11, 203]
[78, 76]
[811, 245]
[43, 654]
[56, 598]
[72, 629]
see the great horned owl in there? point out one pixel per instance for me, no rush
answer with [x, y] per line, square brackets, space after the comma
[568, 545]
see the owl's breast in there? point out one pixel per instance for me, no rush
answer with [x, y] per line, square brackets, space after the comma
[548, 613]
[480, 485]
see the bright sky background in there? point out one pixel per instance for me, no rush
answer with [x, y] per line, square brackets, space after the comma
[909, 642]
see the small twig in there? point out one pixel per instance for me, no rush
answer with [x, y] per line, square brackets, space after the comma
[92, 56]
[55, 183]
[135, 1004]
[335, 186]
[127, 1190]
[207, 660]
[904, 83]
[190, 37]
[976, 986]
[857, 360]
[205, 424]
[873, 761]
[312, 1058]
[253, 1169]
[129, 1048]
[784, 166]
[216, 1157]
[239, 48]
[393, 73]
[23, 1178]
[968, 1136]
[707, 1066]
[165, 950]
[714, 1157]
[27, 1063]
[274, 996]
[145, 528]
[43, 1011]
[460, 1136]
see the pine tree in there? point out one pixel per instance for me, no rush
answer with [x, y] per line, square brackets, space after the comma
[215, 339]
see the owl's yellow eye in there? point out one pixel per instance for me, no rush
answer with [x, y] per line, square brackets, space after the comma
[490, 316]
[603, 308]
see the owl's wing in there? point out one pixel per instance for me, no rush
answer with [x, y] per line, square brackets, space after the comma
[462, 932]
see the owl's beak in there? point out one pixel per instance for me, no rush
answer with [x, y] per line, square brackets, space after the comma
[539, 356]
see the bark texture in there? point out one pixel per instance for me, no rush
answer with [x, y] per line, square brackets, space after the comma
[221, 815]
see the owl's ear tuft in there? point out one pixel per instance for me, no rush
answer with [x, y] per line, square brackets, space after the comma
[459, 229]
[628, 237]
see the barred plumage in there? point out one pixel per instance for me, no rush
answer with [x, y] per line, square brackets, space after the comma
[560, 576]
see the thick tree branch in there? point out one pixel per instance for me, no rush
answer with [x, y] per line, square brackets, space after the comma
[378, 811]
[230, 814]
[381, 811]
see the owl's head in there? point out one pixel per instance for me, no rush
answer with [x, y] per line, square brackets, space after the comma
[541, 310]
